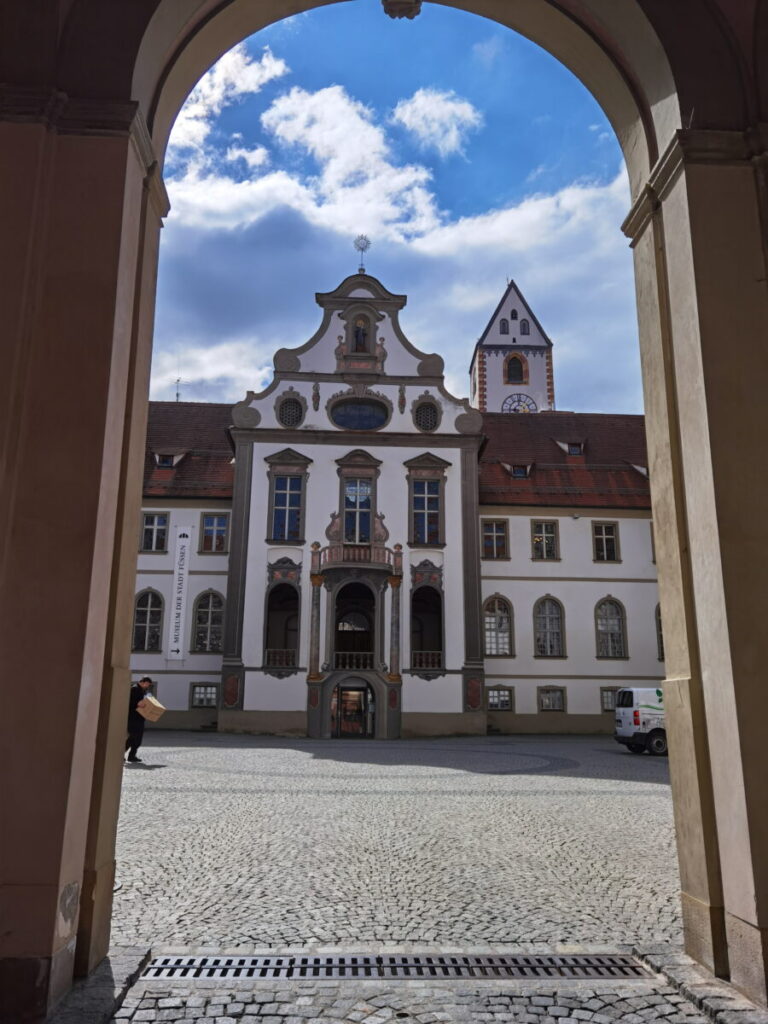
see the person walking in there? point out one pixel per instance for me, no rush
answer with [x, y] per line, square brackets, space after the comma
[135, 719]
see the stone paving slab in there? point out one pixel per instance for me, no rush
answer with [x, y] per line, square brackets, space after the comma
[96, 998]
[254, 843]
[408, 1001]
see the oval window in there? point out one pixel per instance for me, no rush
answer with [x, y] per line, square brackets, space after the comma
[359, 414]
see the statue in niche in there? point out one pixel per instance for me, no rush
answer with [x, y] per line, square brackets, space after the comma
[360, 335]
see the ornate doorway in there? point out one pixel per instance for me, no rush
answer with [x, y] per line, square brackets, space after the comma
[353, 711]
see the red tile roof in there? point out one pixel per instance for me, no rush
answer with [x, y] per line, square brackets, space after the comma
[603, 477]
[199, 429]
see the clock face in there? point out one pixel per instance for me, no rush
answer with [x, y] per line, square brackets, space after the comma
[518, 403]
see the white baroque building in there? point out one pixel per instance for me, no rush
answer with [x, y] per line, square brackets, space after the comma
[356, 552]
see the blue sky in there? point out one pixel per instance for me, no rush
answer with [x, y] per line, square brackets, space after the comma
[467, 154]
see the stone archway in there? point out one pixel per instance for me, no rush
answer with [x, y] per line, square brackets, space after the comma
[91, 90]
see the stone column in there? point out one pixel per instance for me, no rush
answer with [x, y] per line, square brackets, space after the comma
[394, 676]
[700, 237]
[75, 250]
[316, 579]
[99, 869]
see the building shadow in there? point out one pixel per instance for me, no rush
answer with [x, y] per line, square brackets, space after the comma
[586, 757]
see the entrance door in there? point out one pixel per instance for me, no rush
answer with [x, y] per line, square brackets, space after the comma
[352, 712]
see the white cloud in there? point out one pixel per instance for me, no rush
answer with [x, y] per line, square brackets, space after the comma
[488, 51]
[235, 75]
[563, 248]
[254, 158]
[357, 188]
[439, 120]
[220, 372]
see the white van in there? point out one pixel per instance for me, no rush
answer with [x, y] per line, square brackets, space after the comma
[640, 720]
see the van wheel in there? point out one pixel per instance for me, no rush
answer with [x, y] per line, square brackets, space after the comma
[636, 748]
[657, 743]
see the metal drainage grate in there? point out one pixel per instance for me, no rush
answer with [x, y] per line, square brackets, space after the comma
[608, 965]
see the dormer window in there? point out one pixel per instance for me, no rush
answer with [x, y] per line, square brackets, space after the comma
[165, 461]
[575, 448]
[519, 472]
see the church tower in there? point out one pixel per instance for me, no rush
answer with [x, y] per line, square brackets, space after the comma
[511, 368]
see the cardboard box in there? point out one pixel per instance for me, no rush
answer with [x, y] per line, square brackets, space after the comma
[152, 709]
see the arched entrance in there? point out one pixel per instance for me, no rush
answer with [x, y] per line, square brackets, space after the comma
[88, 103]
[353, 710]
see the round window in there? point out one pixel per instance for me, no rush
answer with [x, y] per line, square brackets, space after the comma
[359, 414]
[426, 417]
[291, 412]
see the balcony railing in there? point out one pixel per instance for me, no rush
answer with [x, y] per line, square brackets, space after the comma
[353, 660]
[375, 555]
[426, 659]
[275, 657]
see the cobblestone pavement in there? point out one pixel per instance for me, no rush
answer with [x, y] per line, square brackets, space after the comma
[262, 844]
[410, 1002]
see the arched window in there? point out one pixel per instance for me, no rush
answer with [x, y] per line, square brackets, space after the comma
[515, 371]
[659, 633]
[513, 315]
[525, 327]
[611, 630]
[503, 326]
[548, 631]
[281, 639]
[147, 621]
[208, 632]
[426, 628]
[497, 627]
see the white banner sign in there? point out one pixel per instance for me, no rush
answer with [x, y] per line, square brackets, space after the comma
[178, 641]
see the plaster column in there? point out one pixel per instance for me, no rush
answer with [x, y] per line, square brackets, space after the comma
[73, 182]
[316, 579]
[700, 223]
[394, 630]
[232, 671]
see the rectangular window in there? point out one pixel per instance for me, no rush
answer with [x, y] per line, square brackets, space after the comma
[154, 534]
[605, 537]
[426, 512]
[544, 540]
[607, 699]
[286, 508]
[215, 532]
[500, 699]
[551, 698]
[204, 695]
[519, 472]
[358, 498]
[494, 538]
